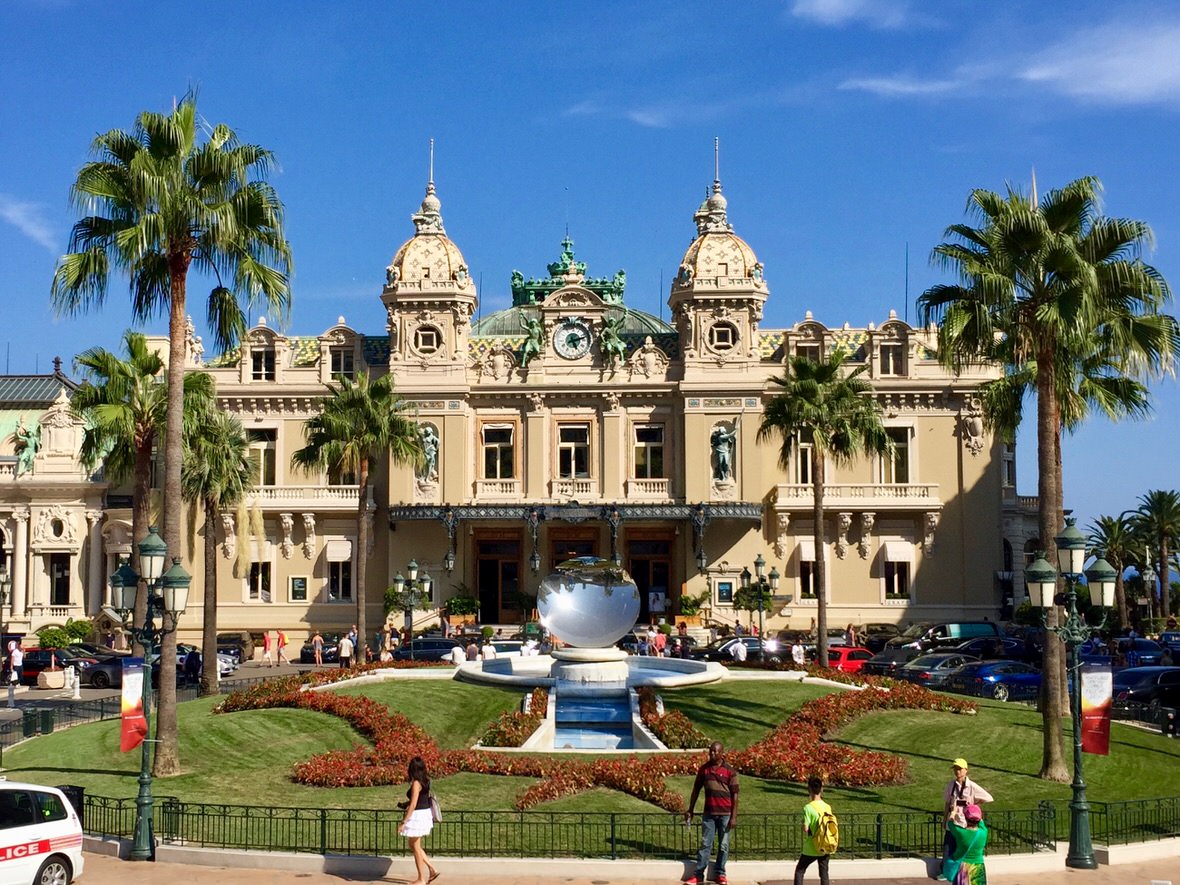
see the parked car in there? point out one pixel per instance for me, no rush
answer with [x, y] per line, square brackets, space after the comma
[507, 648]
[874, 636]
[722, 649]
[98, 651]
[1170, 639]
[988, 649]
[935, 636]
[38, 659]
[107, 673]
[885, 663]
[42, 841]
[329, 654]
[430, 649]
[1001, 680]
[1140, 652]
[848, 658]
[932, 671]
[1143, 685]
[237, 644]
[225, 664]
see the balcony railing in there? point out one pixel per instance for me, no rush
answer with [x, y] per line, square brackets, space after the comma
[7, 468]
[308, 496]
[648, 488]
[881, 495]
[497, 488]
[579, 489]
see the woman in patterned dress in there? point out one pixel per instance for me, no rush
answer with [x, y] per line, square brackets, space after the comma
[965, 865]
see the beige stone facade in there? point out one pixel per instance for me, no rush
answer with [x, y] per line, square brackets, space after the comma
[570, 424]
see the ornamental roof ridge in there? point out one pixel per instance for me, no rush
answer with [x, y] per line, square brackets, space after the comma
[565, 271]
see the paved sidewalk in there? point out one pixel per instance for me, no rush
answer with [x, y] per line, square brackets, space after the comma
[102, 870]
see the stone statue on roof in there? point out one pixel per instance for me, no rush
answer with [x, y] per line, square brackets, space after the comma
[610, 342]
[535, 341]
[27, 441]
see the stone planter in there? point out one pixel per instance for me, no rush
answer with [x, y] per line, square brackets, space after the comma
[690, 620]
[52, 679]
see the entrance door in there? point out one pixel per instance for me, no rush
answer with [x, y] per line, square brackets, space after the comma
[59, 579]
[497, 570]
[650, 563]
[567, 543]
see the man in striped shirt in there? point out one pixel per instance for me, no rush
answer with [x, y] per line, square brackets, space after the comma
[720, 783]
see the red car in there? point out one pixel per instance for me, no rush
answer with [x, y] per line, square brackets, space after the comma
[848, 658]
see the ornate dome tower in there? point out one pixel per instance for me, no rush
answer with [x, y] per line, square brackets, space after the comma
[429, 298]
[719, 291]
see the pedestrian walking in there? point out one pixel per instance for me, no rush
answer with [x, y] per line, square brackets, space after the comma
[192, 667]
[345, 651]
[818, 833]
[799, 654]
[738, 651]
[966, 863]
[317, 648]
[419, 818]
[281, 645]
[267, 649]
[472, 651]
[720, 783]
[960, 793]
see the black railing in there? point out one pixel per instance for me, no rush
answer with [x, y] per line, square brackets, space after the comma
[1136, 820]
[551, 834]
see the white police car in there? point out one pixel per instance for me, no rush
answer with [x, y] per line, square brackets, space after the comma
[40, 836]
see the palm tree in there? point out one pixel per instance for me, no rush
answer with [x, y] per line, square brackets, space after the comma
[837, 412]
[1158, 521]
[170, 195]
[361, 422]
[124, 403]
[1114, 536]
[1051, 286]
[216, 474]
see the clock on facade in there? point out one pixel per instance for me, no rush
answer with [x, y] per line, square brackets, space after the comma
[571, 338]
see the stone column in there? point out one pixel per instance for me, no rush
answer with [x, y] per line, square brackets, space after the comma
[94, 576]
[20, 563]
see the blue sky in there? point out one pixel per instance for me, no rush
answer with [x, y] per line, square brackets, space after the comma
[849, 129]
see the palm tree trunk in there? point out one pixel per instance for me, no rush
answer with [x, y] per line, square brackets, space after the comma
[1120, 591]
[141, 515]
[1049, 523]
[821, 569]
[362, 560]
[1165, 579]
[209, 669]
[168, 748]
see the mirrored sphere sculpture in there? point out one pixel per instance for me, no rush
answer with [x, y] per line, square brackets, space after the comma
[588, 602]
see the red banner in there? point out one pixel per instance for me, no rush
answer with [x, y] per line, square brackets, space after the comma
[135, 725]
[1097, 690]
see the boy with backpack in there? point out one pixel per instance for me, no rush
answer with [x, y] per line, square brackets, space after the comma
[821, 834]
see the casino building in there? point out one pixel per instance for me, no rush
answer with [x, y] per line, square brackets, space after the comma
[572, 424]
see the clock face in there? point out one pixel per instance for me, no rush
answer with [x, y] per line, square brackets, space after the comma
[571, 338]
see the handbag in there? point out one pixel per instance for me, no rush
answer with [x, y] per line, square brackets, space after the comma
[435, 810]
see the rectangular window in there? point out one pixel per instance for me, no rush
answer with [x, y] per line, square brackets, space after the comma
[895, 469]
[897, 580]
[259, 590]
[338, 477]
[59, 579]
[499, 457]
[649, 452]
[573, 451]
[340, 581]
[892, 359]
[264, 455]
[343, 362]
[262, 364]
[807, 580]
[298, 590]
[809, 351]
[804, 449]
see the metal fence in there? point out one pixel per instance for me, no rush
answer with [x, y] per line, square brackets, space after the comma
[549, 834]
[1136, 820]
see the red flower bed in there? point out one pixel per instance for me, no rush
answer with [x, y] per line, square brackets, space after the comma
[795, 750]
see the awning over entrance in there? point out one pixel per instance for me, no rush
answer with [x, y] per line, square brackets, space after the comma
[338, 551]
[574, 512]
[897, 551]
[807, 549]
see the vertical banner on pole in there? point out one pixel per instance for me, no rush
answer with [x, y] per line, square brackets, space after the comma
[1097, 691]
[134, 728]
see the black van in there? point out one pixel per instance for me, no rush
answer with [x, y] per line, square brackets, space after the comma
[931, 636]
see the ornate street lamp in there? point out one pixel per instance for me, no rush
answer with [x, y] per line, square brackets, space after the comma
[417, 586]
[167, 598]
[762, 586]
[1041, 580]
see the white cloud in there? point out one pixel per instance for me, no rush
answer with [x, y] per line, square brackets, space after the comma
[875, 13]
[29, 219]
[1116, 63]
[899, 87]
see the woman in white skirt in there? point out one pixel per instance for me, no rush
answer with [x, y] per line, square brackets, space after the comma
[419, 819]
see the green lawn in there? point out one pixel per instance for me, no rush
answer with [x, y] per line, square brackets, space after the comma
[246, 758]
